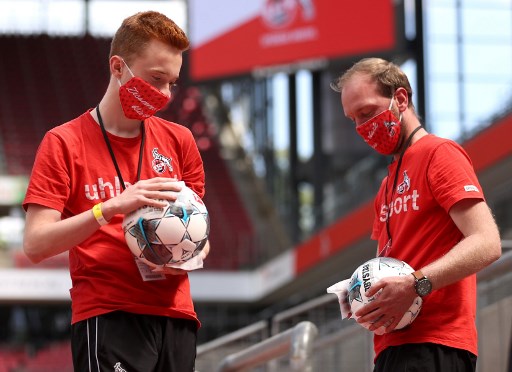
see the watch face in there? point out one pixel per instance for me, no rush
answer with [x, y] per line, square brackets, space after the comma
[423, 287]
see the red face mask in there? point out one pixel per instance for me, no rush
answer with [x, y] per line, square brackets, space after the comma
[381, 132]
[139, 99]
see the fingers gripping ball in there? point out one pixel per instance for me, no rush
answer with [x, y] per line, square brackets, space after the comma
[169, 235]
[368, 274]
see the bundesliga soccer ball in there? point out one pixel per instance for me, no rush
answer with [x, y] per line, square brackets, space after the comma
[368, 274]
[169, 235]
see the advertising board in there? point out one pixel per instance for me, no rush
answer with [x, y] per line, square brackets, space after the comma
[234, 37]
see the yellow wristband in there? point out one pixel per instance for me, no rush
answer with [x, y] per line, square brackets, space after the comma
[98, 214]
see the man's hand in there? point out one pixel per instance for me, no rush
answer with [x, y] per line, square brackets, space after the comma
[150, 192]
[393, 297]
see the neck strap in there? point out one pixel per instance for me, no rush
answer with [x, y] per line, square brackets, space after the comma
[112, 156]
[397, 172]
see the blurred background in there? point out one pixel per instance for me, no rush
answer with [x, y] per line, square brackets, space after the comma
[289, 183]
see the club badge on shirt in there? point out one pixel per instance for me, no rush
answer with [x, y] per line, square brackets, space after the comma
[160, 162]
[405, 185]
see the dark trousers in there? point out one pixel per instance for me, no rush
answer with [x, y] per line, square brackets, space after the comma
[425, 357]
[126, 342]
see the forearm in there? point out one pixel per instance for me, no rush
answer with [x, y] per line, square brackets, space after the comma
[46, 235]
[47, 239]
[473, 253]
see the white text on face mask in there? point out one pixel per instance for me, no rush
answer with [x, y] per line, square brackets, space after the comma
[135, 92]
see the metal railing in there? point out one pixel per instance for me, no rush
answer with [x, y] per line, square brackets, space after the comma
[211, 354]
[297, 342]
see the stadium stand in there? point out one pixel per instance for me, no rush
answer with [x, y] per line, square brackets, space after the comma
[34, 101]
[11, 359]
[51, 358]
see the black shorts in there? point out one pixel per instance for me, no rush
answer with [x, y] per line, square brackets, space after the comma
[425, 357]
[126, 342]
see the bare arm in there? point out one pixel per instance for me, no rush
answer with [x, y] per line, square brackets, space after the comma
[480, 247]
[46, 235]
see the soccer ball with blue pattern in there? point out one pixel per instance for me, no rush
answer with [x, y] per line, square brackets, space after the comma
[169, 235]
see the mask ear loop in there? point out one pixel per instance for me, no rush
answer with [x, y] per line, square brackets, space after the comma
[389, 108]
[129, 70]
[390, 103]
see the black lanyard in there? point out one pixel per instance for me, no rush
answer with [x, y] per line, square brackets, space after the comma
[407, 144]
[107, 141]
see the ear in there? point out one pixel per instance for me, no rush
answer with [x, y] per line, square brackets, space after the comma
[116, 66]
[402, 99]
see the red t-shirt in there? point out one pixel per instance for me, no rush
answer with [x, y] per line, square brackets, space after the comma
[434, 175]
[73, 171]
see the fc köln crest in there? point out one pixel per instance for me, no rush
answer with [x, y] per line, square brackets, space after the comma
[405, 185]
[160, 162]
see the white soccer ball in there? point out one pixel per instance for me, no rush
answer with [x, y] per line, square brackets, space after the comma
[169, 235]
[367, 275]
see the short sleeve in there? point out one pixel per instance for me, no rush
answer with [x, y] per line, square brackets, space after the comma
[49, 183]
[451, 176]
[193, 170]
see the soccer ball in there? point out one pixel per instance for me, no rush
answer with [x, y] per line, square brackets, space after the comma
[368, 274]
[169, 235]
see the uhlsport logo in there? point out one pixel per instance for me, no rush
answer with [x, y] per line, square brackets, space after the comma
[160, 162]
[469, 188]
[104, 189]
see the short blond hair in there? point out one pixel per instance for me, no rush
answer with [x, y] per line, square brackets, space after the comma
[388, 76]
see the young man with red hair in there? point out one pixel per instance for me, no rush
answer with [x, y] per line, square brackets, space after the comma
[89, 173]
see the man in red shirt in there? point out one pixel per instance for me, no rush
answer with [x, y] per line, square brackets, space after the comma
[430, 212]
[89, 173]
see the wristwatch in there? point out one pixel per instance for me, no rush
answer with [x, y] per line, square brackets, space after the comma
[423, 285]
